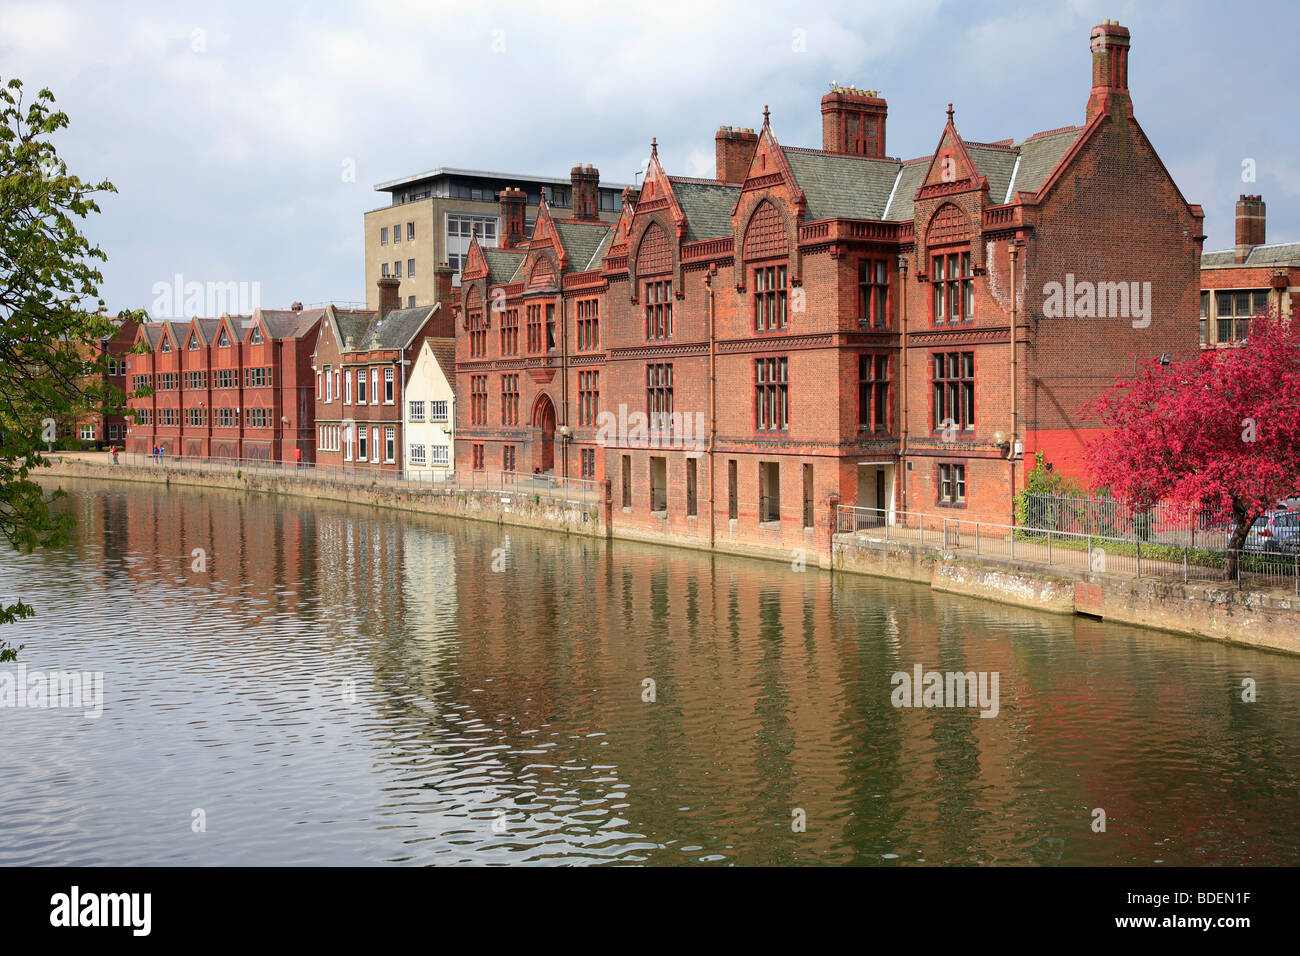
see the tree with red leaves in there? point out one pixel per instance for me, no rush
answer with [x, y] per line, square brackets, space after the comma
[1219, 432]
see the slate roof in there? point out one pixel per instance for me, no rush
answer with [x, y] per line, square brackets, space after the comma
[580, 241]
[396, 329]
[287, 324]
[1039, 155]
[502, 264]
[1278, 254]
[706, 205]
[207, 329]
[910, 176]
[152, 333]
[995, 164]
[598, 257]
[840, 186]
[352, 326]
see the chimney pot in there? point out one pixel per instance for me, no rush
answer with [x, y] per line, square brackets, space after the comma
[853, 121]
[389, 296]
[733, 152]
[1250, 225]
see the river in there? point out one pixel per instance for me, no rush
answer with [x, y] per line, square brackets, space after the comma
[288, 681]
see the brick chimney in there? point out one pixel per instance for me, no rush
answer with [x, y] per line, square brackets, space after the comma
[853, 121]
[586, 196]
[389, 299]
[512, 202]
[442, 277]
[1109, 43]
[735, 151]
[1250, 225]
[296, 307]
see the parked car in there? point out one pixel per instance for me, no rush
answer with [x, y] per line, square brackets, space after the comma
[1275, 531]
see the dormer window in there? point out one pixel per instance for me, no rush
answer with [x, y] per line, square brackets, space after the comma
[193, 344]
[166, 346]
[224, 341]
[256, 337]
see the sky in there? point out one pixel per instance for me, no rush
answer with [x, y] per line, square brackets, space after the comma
[245, 139]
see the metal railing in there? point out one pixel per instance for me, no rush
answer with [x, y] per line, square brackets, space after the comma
[416, 479]
[1102, 554]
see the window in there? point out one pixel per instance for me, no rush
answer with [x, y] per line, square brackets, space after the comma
[659, 310]
[397, 269]
[808, 496]
[477, 457]
[361, 386]
[873, 393]
[588, 324]
[1205, 318]
[410, 270]
[166, 416]
[390, 443]
[256, 418]
[257, 377]
[374, 386]
[954, 390]
[224, 341]
[114, 432]
[1235, 309]
[388, 385]
[659, 394]
[374, 443]
[658, 484]
[769, 491]
[588, 398]
[318, 386]
[589, 463]
[383, 241]
[256, 337]
[478, 399]
[417, 454]
[873, 293]
[166, 381]
[397, 233]
[550, 326]
[195, 380]
[410, 302]
[87, 432]
[193, 344]
[438, 411]
[226, 379]
[477, 335]
[770, 298]
[441, 454]
[416, 411]
[733, 491]
[510, 400]
[227, 418]
[952, 484]
[410, 232]
[347, 388]
[953, 284]
[383, 269]
[627, 481]
[507, 457]
[534, 328]
[771, 398]
[510, 332]
[692, 484]
[166, 345]
[362, 447]
[347, 443]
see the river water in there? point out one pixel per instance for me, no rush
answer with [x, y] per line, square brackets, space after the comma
[339, 684]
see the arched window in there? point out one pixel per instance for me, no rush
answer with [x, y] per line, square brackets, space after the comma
[952, 278]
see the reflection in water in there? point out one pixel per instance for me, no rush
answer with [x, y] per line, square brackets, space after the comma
[354, 685]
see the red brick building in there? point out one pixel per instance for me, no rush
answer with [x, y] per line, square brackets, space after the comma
[822, 325]
[110, 429]
[1249, 279]
[233, 387]
[361, 363]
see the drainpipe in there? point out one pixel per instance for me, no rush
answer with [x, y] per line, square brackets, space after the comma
[1014, 252]
[902, 379]
[564, 374]
[713, 423]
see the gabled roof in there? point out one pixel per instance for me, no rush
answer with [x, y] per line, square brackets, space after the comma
[395, 330]
[207, 330]
[902, 203]
[1039, 155]
[580, 241]
[444, 353]
[842, 186]
[502, 264]
[598, 257]
[351, 325]
[1278, 254]
[707, 206]
[996, 164]
[152, 333]
[289, 324]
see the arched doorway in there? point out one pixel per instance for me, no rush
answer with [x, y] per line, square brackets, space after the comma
[544, 446]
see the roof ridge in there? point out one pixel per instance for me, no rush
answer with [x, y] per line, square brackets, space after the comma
[1052, 132]
[809, 151]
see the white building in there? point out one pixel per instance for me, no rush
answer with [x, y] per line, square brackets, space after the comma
[428, 417]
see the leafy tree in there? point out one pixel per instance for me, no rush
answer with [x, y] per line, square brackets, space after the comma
[1217, 432]
[50, 313]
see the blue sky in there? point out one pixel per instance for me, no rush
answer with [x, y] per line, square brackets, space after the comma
[226, 129]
